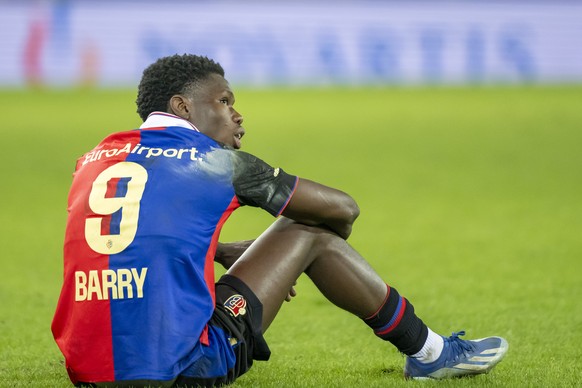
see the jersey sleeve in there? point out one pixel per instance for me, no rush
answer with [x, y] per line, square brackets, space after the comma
[258, 184]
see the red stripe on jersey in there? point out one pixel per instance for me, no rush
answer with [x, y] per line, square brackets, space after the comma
[209, 264]
[109, 193]
[112, 187]
[154, 128]
[82, 321]
[289, 198]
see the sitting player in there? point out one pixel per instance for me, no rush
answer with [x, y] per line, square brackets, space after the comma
[139, 304]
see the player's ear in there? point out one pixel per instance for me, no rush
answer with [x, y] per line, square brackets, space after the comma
[180, 106]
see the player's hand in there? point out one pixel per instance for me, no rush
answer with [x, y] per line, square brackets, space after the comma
[228, 253]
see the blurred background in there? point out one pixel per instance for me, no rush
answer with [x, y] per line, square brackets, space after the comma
[456, 125]
[107, 43]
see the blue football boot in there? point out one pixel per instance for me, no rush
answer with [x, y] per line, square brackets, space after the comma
[459, 358]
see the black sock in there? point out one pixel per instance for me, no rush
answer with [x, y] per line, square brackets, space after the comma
[396, 322]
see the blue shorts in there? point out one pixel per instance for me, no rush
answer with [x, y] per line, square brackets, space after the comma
[237, 318]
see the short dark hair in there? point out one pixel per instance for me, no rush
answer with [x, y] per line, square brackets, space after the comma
[169, 76]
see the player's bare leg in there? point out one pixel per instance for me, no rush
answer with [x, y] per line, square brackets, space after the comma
[278, 257]
[283, 252]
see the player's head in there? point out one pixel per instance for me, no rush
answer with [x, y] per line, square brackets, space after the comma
[193, 88]
[176, 74]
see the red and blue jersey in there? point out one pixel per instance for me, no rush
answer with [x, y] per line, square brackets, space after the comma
[145, 211]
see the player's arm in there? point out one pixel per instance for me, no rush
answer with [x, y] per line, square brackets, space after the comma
[315, 204]
[258, 184]
[228, 253]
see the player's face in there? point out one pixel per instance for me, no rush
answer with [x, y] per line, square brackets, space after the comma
[212, 111]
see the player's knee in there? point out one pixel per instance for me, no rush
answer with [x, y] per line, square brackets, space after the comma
[319, 238]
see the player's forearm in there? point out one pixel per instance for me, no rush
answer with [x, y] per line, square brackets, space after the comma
[348, 212]
[316, 204]
[228, 253]
[342, 227]
[344, 230]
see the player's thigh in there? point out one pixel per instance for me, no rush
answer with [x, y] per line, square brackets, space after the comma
[272, 264]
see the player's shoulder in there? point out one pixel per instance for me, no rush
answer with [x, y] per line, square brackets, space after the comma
[243, 157]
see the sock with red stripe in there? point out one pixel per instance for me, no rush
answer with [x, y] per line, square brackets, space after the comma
[396, 322]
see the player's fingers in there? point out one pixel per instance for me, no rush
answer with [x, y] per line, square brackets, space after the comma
[291, 294]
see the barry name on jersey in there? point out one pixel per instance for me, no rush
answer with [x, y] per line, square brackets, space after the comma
[122, 283]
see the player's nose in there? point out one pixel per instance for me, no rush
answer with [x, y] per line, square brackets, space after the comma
[237, 117]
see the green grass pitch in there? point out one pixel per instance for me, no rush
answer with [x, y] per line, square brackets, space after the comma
[471, 202]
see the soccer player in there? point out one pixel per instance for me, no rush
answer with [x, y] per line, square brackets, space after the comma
[139, 304]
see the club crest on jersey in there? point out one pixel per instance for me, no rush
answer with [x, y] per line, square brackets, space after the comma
[236, 304]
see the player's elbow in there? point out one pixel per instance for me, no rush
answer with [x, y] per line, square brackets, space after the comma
[349, 213]
[352, 211]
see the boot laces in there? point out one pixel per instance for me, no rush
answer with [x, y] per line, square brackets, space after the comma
[459, 347]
